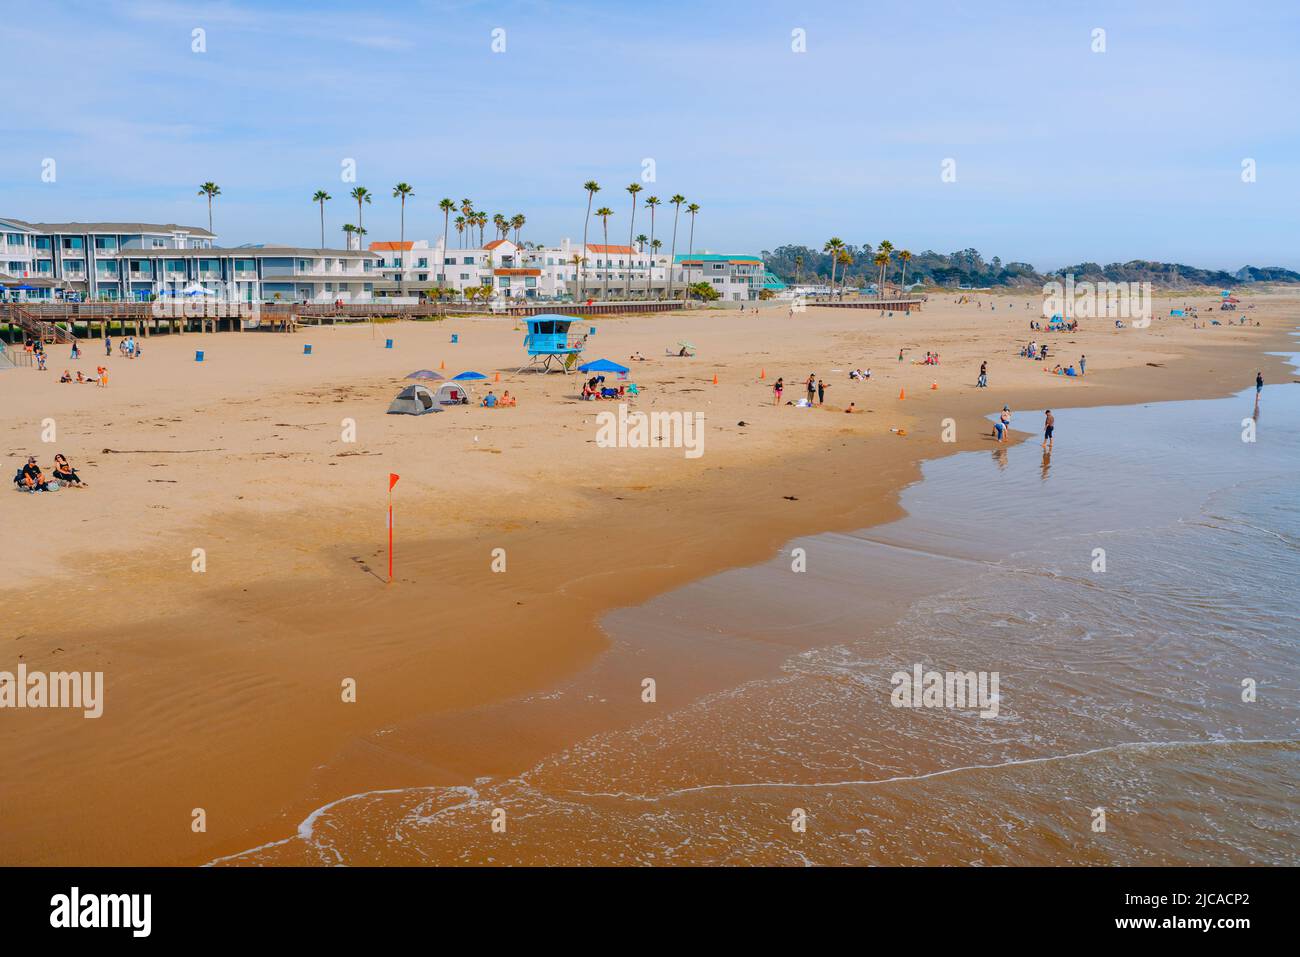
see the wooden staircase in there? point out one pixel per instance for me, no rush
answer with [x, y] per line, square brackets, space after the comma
[48, 332]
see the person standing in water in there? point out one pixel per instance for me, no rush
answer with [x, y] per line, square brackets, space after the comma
[1259, 382]
[1049, 426]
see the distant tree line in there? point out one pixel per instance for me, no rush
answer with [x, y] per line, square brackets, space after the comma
[967, 267]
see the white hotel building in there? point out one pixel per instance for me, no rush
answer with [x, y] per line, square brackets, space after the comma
[97, 262]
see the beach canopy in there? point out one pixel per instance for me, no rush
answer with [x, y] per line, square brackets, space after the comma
[413, 400]
[465, 376]
[428, 374]
[602, 365]
[688, 345]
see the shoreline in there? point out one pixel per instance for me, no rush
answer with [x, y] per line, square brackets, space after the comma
[338, 622]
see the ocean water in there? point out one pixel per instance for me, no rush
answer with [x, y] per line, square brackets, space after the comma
[1122, 692]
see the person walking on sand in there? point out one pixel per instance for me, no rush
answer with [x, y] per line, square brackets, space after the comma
[777, 390]
[1083, 365]
[108, 345]
[1049, 426]
[1259, 382]
[983, 381]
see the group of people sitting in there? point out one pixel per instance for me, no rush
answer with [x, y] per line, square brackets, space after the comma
[505, 401]
[1056, 325]
[859, 373]
[595, 388]
[101, 379]
[931, 359]
[1058, 370]
[32, 478]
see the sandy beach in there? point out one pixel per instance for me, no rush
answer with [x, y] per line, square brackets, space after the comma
[223, 687]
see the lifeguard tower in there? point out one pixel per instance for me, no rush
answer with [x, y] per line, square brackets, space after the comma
[549, 341]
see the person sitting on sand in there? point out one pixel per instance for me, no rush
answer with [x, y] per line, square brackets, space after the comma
[490, 400]
[65, 473]
[66, 377]
[508, 400]
[852, 408]
[80, 377]
[30, 478]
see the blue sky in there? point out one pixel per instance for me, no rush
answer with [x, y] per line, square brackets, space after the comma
[1061, 154]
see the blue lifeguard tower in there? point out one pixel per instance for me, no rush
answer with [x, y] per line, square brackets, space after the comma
[549, 340]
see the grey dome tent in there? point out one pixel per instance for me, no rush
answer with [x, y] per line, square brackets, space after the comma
[413, 400]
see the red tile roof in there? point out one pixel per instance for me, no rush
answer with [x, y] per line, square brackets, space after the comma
[495, 243]
[391, 246]
[610, 250]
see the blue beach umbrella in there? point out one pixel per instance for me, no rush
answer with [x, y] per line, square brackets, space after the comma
[602, 365]
[468, 375]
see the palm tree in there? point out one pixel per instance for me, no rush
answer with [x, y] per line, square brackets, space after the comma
[209, 189]
[904, 257]
[833, 246]
[446, 205]
[798, 267]
[846, 261]
[881, 261]
[692, 209]
[603, 215]
[677, 200]
[320, 197]
[517, 221]
[348, 230]
[502, 226]
[401, 191]
[578, 262]
[361, 195]
[633, 189]
[641, 240]
[652, 203]
[887, 248]
[592, 188]
[466, 207]
[460, 228]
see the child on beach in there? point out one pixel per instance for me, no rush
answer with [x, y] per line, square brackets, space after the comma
[777, 390]
[1049, 426]
[1003, 425]
[821, 392]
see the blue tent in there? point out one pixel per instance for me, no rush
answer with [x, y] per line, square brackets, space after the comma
[467, 375]
[602, 365]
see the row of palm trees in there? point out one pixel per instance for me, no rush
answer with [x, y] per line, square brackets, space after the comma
[469, 218]
[883, 259]
[652, 203]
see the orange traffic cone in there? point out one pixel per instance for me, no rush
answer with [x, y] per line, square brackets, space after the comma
[762, 373]
[442, 365]
[497, 377]
[902, 394]
[934, 386]
[715, 378]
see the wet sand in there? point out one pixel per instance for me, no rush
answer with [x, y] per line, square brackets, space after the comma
[223, 688]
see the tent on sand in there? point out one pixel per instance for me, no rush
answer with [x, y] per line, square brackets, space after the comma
[413, 400]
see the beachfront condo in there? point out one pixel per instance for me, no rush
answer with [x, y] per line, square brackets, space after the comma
[100, 262]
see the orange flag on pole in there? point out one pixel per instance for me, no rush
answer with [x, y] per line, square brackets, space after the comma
[392, 480]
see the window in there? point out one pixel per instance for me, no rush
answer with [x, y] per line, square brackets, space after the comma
[469, 260]
[73, 242]
[464, 275]
[15, 239]
[423, 277]
[424, 263]
[159, 243]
